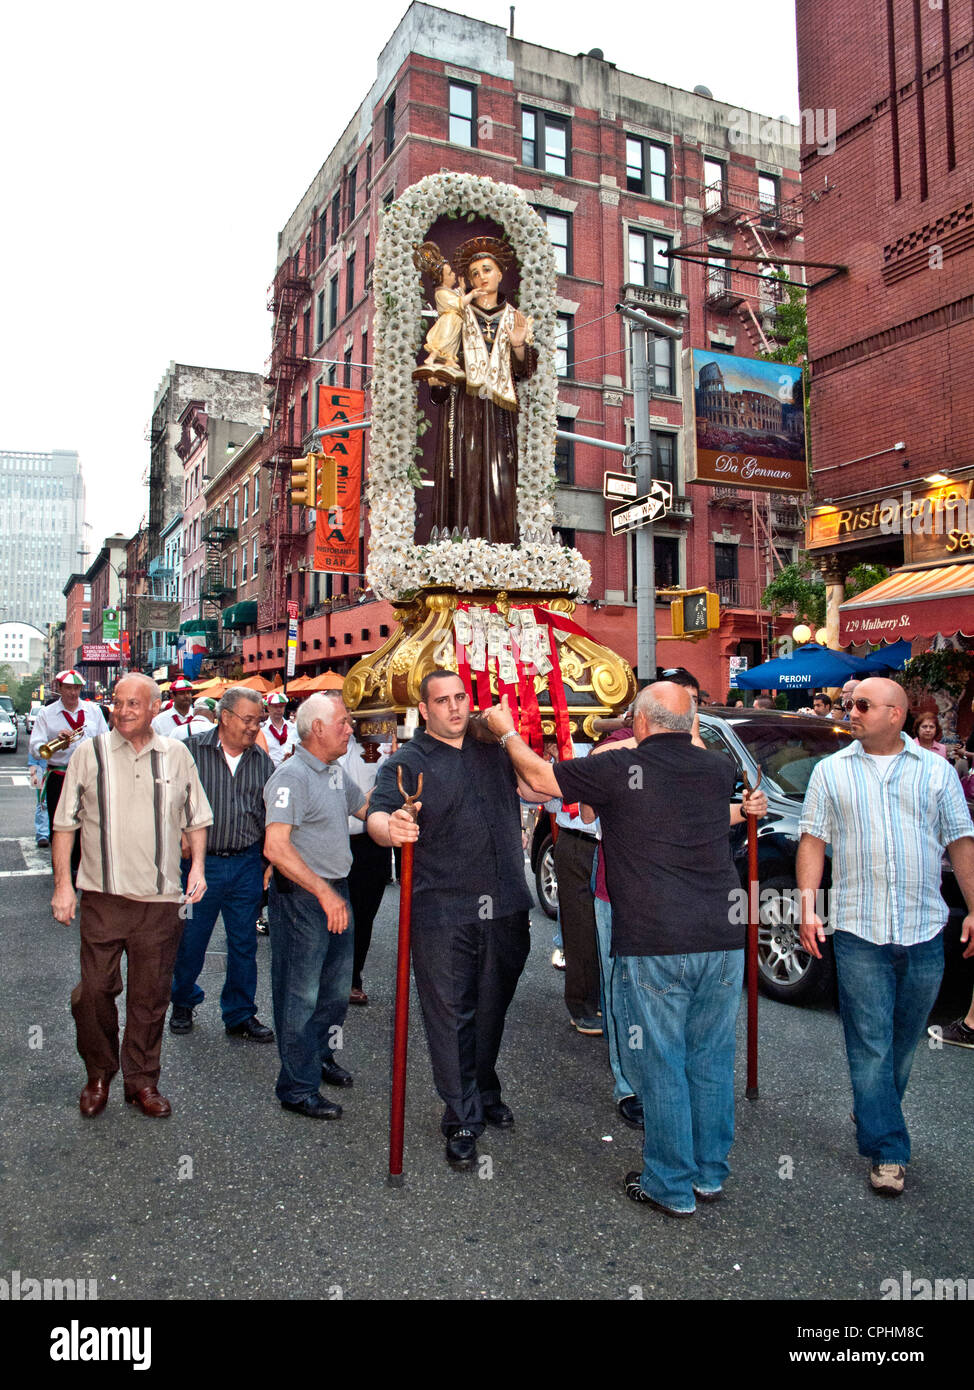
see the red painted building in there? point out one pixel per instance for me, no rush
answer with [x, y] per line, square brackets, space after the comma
[624, 170]
[891, 336]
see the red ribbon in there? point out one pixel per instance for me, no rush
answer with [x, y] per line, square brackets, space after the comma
[75, 722]
[282, 736]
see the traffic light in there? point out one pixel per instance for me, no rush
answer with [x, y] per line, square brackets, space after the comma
[327, 490]
[304, 480]
[695, 613]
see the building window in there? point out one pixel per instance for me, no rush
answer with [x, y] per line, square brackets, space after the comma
[715, 183]
[565, 452]
[236, 509]
[350, 284]
[768, 194]
[649, 262]
[463, 114]
[246, 494]
[306, 344]
[254, 570]
[304, 431]
[648, 168]
[256, 493]
[390, 125]
[663, 366]
[233, 571]
[320, 319]
[560, 231]
[718, 275]
[352, 180]
[243, 564]
[664, 457]
[336, 213]
[322, 236]
[333, 303]
[564, 349]
[332, 374]
[725, 562]
[365, 359]
[666, 561]
[347, 374]
[368, 168]
[544, 141]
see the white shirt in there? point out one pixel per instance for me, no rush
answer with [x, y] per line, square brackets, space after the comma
[52, 721]
[170, 721]
[279, 751]
[362, 773]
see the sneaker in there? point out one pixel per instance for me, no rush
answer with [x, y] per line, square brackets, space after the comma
[591, 1027]
[635, 1193]
[887, 1179]
[957, 1033]
[181, 1019]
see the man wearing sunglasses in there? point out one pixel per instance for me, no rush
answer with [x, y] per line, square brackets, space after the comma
[888, 808]
[233, 772]
[848, 692]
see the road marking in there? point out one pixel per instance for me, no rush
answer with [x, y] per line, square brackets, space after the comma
[38, 861]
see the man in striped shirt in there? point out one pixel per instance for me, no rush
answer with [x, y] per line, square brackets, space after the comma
[132, 795]
[233, 772]
[888, 808]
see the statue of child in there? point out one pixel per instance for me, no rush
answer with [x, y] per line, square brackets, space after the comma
[443, 339]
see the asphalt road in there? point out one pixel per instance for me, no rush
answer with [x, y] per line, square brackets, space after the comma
[233, 1198]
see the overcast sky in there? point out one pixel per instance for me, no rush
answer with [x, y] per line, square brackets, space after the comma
[153, 151]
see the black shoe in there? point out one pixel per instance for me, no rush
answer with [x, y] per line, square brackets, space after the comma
[253, 1029]
[315, 1107]
[181, 1019]
[635, 1193]
[334, 1074]
[43, 843]
[461, 1149]
[630, 1110]
[499, 1115]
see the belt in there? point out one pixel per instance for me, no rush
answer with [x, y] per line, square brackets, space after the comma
[232, 853]
[579, 834]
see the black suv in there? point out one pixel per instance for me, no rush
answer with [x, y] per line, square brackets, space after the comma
[787, 747]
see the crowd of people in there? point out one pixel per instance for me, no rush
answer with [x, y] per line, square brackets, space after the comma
[197, 813]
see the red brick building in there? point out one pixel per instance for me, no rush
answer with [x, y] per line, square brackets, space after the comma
[890, 338]
[624, 170]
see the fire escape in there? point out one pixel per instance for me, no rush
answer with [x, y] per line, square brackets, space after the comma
[284, 527]
[215, 592]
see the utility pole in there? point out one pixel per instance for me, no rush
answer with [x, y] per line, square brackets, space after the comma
[641, 326]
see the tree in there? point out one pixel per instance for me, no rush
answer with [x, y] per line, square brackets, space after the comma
[799, 588]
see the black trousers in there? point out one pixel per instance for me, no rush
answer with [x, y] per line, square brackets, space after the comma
[53, 788]
[466, 976]
[574, 855]
[367, 881]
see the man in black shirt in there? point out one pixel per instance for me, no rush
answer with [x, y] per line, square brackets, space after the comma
[470, 901]
[663, 808]
[233, 772]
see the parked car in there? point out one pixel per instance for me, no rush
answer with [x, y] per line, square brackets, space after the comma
[787, 747]
[9, 733]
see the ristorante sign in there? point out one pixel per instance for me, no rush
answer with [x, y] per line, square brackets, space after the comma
[933, 524]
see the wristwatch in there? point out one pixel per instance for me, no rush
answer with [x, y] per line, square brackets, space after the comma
[504, 737]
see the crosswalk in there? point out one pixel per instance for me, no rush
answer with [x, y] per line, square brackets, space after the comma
[14, 779]
[22, 858]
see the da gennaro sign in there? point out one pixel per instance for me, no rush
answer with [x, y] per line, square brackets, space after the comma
[749, 423]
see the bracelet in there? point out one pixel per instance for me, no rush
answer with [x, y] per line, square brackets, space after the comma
[511, 733]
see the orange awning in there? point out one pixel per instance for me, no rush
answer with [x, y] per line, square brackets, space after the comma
[913, 602]
[328, 680]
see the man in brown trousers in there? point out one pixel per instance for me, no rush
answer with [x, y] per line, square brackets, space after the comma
[133, 796]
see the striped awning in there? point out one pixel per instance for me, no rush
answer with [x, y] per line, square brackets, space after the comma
[914, 602]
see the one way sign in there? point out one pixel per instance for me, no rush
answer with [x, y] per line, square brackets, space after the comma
[657, 502]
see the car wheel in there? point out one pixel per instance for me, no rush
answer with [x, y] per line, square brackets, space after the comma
[785, 971]
[545, 879]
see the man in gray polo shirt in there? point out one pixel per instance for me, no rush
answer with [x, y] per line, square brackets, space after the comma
[309, 799]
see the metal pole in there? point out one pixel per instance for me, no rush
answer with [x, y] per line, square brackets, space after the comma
[645, 554]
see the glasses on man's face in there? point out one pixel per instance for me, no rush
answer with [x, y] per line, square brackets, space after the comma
[864, 706]
[249, 721]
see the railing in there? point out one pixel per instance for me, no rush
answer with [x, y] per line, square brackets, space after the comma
[662, 301]
[737, 593]
[726, 204]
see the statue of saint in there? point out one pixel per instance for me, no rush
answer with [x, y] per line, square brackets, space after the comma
[475, 467]
[443, 340]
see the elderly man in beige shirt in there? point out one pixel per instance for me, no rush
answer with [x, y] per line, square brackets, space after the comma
[132, 795]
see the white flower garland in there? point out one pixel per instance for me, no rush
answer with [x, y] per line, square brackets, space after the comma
[396, 565]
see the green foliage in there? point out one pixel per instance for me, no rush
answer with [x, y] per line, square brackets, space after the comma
[863, 577]
[948, 671]
[19, 688]
[791, 327]
[797, 587]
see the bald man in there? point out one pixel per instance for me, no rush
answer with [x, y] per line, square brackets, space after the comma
[888, 808]
[679, 957]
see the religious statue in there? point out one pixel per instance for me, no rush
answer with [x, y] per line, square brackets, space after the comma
[443, 340]
[475, 468]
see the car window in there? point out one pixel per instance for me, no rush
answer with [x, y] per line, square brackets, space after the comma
[716, 744]
[787, 754]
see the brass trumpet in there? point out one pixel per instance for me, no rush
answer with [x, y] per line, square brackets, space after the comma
[58, 745]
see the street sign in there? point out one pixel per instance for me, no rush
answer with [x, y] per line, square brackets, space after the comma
[622, 486]
[657, 502]
[738, 665]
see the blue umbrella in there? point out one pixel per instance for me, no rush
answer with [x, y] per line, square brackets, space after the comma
[893, 657]
[809, 666]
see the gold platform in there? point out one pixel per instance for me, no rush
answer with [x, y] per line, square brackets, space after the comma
[381, 687]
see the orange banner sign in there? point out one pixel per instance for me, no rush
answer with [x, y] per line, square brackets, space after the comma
[337, 530]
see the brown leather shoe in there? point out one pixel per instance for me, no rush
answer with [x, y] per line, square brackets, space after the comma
[358, 996]
[94, 1097]
[150, 1102]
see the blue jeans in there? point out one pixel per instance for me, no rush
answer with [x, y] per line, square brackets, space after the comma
[311, 974]
[885, 997]
[42, 821]
[234, 887]
[679, 1015]
[611, 1008]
